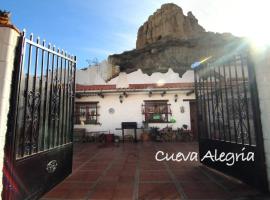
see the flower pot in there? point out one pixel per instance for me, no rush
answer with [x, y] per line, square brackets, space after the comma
[4, 20]
[145, 137]
[4, 17]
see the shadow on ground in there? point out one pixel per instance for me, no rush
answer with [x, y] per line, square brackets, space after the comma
[130, 171]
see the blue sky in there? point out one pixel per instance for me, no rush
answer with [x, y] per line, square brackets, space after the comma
[98, 28]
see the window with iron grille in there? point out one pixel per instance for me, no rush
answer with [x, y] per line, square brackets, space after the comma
[86, 113]
[156, 111]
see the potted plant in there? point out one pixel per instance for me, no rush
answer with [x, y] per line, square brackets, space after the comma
[82, 118]
[145, 136]
[4, 17]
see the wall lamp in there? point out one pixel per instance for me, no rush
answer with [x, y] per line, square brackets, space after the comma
[101, 95]
[175, 98]
[121, 98]
[125, 94]
[182, 109]
[163, 93]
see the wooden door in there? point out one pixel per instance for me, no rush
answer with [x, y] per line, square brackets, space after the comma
[194, 119]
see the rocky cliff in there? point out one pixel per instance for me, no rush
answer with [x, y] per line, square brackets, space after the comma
[169, 39]
[168, 21]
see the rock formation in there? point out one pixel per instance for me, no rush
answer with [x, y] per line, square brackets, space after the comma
[169, 39]
[168, 22]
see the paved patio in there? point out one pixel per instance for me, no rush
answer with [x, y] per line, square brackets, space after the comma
[131, 172]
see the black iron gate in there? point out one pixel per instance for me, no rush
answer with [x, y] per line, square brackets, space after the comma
[38, 151]
[229, 118]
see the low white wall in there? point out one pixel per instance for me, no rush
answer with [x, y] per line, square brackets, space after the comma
[131, 111]
[138, 77]
[96, 74]
[262, 70]
[8, 43]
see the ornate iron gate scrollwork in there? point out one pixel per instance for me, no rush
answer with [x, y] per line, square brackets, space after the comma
[229, 115]
[39, 150]
[31, 122]
[51, 166]
[47, 82]
[55, 100]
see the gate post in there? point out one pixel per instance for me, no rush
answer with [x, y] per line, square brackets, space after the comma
[261, 60]
[9, 36]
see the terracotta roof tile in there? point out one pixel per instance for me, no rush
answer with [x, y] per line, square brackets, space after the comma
[94, 87]
[166, 85]
[136, 86]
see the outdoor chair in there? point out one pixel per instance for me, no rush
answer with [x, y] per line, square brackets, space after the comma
[184, 134]
[79, 135]
[89, 137]
[167, 134]
[128, 138]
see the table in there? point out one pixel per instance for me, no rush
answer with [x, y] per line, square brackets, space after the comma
[123, 133]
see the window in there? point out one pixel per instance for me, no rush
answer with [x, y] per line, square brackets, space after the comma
[157, 111]
[86, 113]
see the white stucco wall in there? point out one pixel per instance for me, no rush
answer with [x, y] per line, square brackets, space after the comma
[97, 74]
[262, 70]
[138, 77]
[8, 43]
[131, 111]
[131, 108]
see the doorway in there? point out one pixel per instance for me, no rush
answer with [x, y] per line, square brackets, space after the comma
[193, 119]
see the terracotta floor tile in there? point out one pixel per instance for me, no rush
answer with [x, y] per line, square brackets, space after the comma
[158, 191]
[111, 172]
[190, 175]
[126, 178]
[94, 166]
[204, 190]
[152, 166]
[103, 191]
[123, 191]
[69, 190]
[110, 178]
[154, 176]
[84, 176]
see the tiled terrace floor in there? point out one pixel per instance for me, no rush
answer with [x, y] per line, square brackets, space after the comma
[131, 172]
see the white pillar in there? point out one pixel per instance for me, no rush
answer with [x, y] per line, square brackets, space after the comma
[8, 43]
[262, 72]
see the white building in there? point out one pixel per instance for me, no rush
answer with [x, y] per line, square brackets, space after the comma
[158, 100]
[96, 74]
